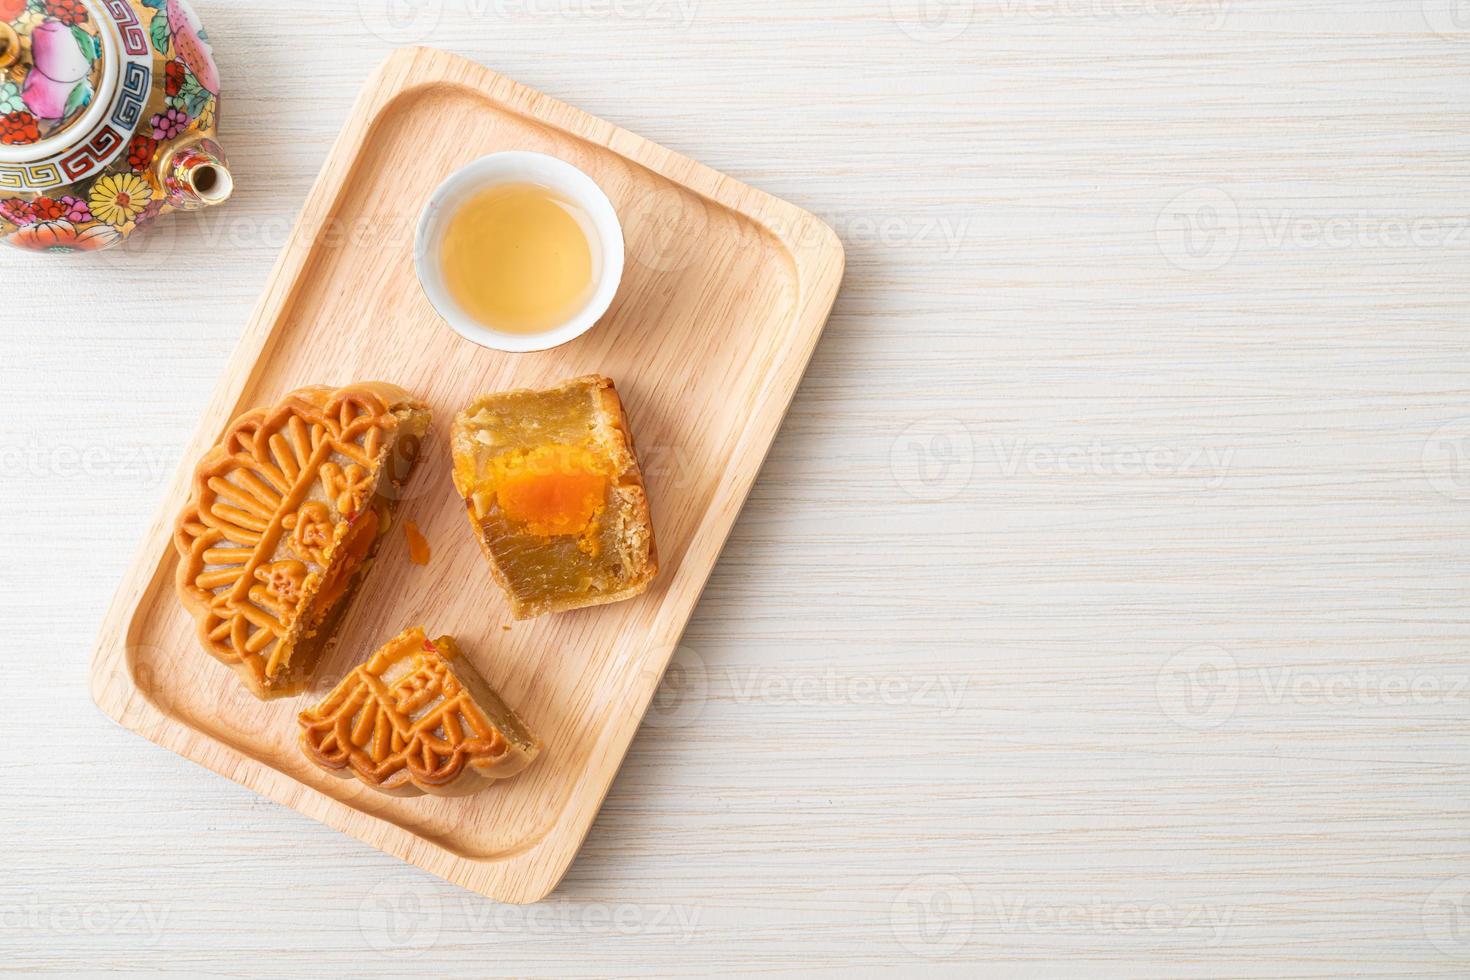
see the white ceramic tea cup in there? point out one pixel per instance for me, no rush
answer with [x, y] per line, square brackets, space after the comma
[519, 167]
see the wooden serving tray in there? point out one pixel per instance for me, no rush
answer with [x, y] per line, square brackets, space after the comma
[724, 295]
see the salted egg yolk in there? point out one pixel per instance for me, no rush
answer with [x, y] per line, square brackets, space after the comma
[551, 489]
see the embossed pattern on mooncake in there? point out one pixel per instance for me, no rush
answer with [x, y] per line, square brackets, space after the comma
[416, 718]
[283, 521]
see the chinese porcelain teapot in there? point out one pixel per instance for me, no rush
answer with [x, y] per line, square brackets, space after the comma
[108, 111]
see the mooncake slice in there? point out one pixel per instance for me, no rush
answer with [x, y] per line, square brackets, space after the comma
[554, 493]
[417, 718]
[284, 518]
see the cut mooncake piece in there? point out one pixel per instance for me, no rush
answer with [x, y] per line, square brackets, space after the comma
[417, 718]
[555, 495]
[284, 518]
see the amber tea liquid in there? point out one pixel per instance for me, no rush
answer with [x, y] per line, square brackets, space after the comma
[519, 259]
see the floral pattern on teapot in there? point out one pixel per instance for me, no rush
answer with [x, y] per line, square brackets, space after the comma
[64, 74]
[41, 98]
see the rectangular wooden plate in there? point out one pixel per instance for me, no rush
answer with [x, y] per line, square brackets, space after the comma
[725, 293]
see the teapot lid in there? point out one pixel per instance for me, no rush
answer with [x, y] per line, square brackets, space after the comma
[75, 76]
[57, 59]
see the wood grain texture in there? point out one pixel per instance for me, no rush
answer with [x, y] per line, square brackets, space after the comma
[1094, 799]
[718, 275]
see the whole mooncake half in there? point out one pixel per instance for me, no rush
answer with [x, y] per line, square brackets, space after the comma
[555, 495]
[285, 515]
[417, 718]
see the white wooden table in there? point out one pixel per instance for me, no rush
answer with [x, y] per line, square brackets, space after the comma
[1102, 609]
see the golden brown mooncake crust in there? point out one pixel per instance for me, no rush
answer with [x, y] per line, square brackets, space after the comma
[417, 718]
[284, 516]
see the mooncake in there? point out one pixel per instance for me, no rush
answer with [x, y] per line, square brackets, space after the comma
[555, 495]
[417, 718]
[284, 518]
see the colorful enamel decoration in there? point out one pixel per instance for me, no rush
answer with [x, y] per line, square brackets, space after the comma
[108, 110]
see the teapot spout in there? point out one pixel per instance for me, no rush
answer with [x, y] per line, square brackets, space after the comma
[196, 175]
